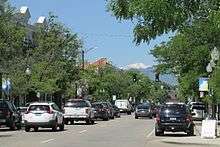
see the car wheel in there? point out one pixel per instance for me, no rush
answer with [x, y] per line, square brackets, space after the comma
[106, 119]
[35, 129]
[62, 127]
[129, 113]
[150, 117]
[18, 126]
[27, 129]
[13, 126]
[54, 128]
[191, 131]
[72, 122]
[136, 117]
[66, 122]
[87, 121]
[92, 122]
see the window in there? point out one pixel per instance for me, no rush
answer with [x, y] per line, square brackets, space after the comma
[39, 108]
[77, 104]
[55, 107]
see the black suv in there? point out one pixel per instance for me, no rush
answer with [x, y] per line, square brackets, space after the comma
[9, 116]
[174, 117]
[100, 111]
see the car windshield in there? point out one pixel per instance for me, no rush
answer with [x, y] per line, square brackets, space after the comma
[77, 104]
[142, 107]
[39, 108]
[173, 109]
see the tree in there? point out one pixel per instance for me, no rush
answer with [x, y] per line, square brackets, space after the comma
[156, 17]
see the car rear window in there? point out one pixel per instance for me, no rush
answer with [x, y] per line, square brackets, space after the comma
[143, 107]
[97, 105]
[39, 108]
[77, 104]
[173, 109]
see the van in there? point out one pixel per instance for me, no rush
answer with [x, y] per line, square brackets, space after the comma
[199, 109]
[124, 106]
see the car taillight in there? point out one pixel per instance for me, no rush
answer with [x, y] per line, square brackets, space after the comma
[50, 111]
[188, 118]
[87, 111]
[157, 118]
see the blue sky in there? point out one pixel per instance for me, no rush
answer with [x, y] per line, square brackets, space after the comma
[96, 27]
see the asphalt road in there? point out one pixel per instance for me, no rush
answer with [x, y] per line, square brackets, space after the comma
[121, 132]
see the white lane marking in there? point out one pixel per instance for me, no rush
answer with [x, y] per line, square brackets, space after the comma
[82, 131]
[151, 133]
[46, 141]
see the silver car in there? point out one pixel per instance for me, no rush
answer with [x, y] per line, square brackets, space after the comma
[143, 110]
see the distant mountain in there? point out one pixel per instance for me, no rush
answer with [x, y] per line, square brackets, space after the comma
[149, 71]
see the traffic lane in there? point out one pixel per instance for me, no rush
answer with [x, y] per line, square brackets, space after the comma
[21, 138]
[125, 131]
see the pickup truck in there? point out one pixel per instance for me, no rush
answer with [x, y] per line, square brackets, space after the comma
[78, 110]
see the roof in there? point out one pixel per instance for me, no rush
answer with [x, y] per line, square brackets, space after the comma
[42, 103]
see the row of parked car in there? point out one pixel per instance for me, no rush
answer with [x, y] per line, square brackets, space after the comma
[49, 115]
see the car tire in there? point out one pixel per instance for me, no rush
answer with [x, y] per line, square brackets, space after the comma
[66, 122]
[72, 122]
[27, 129]
[129, 113]
[92, 122]
[54, 127]
[190, 132]
[136, 117]
[150, 117]
[12, 126]
[18, 126]
[35, 129]
[62, 127]
[105, 119]
[88, 121]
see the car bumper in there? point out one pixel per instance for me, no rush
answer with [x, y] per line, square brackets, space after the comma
[40, 124]
[76, 117]
[174, 127]
[143, 114]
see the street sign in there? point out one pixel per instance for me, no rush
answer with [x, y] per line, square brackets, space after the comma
[203, 84]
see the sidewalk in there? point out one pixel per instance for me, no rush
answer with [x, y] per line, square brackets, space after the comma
[194, 140]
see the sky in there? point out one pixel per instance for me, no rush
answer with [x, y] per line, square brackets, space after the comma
[99, 30]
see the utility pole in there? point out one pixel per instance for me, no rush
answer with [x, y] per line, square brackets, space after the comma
[0, 85]
[83, 59]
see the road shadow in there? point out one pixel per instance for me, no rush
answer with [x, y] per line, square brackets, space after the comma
[176, 135]
[81, 124]
[48, 130]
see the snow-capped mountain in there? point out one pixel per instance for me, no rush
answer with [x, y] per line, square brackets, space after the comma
[136, 66]
[150, 72]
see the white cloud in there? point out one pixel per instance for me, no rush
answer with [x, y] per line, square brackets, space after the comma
[136, 66]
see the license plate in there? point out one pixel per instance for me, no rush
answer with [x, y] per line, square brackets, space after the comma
[172, 118]
[2, 120]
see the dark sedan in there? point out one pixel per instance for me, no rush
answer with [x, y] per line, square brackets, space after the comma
[143, 110]
[100, 111]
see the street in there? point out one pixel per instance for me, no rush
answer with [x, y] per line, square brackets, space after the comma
[121, 132]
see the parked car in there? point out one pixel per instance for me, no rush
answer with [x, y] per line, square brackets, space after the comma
[110, 108]
[78, 110]
[117, 111]
[174, 117]
[100, 111]
[22, 111]
[9, 116]
[124, 106]
[143, 110]
[45, 115]
[199, 110]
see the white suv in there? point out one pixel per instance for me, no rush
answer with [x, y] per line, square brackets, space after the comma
[45, 115]
[78, 110]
